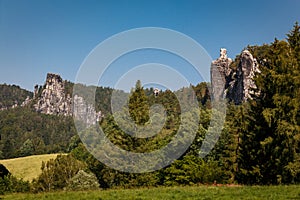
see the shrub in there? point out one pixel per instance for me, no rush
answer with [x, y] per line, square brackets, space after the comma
[10, 184]
[57, 173]
[83, 181]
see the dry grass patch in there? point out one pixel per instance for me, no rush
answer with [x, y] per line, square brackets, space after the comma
[28, 167]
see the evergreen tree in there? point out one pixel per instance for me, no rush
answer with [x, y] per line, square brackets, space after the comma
[27, 148]
[228, 146]
[138, 105]
[270, 146]
[293, 38]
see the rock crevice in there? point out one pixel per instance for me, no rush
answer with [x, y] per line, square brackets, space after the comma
[236, 85]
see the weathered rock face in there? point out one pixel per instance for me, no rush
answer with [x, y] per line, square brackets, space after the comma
[220, 74]
[85, 112]
[242, 86]
[54, 101]
[236, 85]
[36, 90]
[26, 102]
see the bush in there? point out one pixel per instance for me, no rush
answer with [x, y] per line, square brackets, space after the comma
[10, 184]
[57, 173]
[83, 181]
[193, 170]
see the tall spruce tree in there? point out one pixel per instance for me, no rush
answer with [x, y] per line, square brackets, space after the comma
[138, 105]
[293, 38]
[270, 148]
[229, 142]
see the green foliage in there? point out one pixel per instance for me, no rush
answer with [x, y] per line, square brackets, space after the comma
[227, 149]
[203, 94]
[10, 184]
[57, 173]
[293, 38]
[11, 95]
[98, 96]
[138, 105]
[110, 178]
[192, 170]
[68, 88]
[83, 181]
[205, 116]
[27, 148]
[26, 132]
[270, 142]
[116, 179]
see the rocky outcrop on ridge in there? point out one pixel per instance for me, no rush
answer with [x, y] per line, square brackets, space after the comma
[236, 85]
[54, 100]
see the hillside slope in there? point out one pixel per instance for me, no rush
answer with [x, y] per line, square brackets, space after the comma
[11, 95]
[28, 167]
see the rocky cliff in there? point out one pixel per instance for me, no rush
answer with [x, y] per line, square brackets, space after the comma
[236, 85]
[54, 100]
[220, 74]
[85, 112]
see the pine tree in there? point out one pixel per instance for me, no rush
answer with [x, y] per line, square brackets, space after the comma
[293, 38]
[138, 105]
[230, 140]
[269, 149]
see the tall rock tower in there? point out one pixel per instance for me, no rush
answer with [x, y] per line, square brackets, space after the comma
[236, 85]
[53, 99]
[220, 72]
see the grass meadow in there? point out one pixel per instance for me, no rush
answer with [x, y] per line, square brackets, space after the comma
[164, 193]
[28, 167]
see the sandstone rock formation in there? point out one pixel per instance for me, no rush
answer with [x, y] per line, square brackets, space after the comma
[53, 100]
[236, 85]
[85, 112]
[26, 102]
[36, 90]
[220, 74]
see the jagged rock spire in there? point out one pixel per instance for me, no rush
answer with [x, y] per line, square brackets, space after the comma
[236, 85]
[220, 73]
[54, 101]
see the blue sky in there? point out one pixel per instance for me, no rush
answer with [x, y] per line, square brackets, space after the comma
[41, 36]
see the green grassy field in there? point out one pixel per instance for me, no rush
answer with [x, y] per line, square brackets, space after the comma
[27, 167]
[193, 192]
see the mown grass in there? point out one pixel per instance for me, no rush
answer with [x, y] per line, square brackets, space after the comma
[192, 192]
[28, 167]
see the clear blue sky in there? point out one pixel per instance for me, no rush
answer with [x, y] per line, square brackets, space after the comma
[40, 36]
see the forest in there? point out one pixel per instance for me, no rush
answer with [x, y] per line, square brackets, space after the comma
[259, 144]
